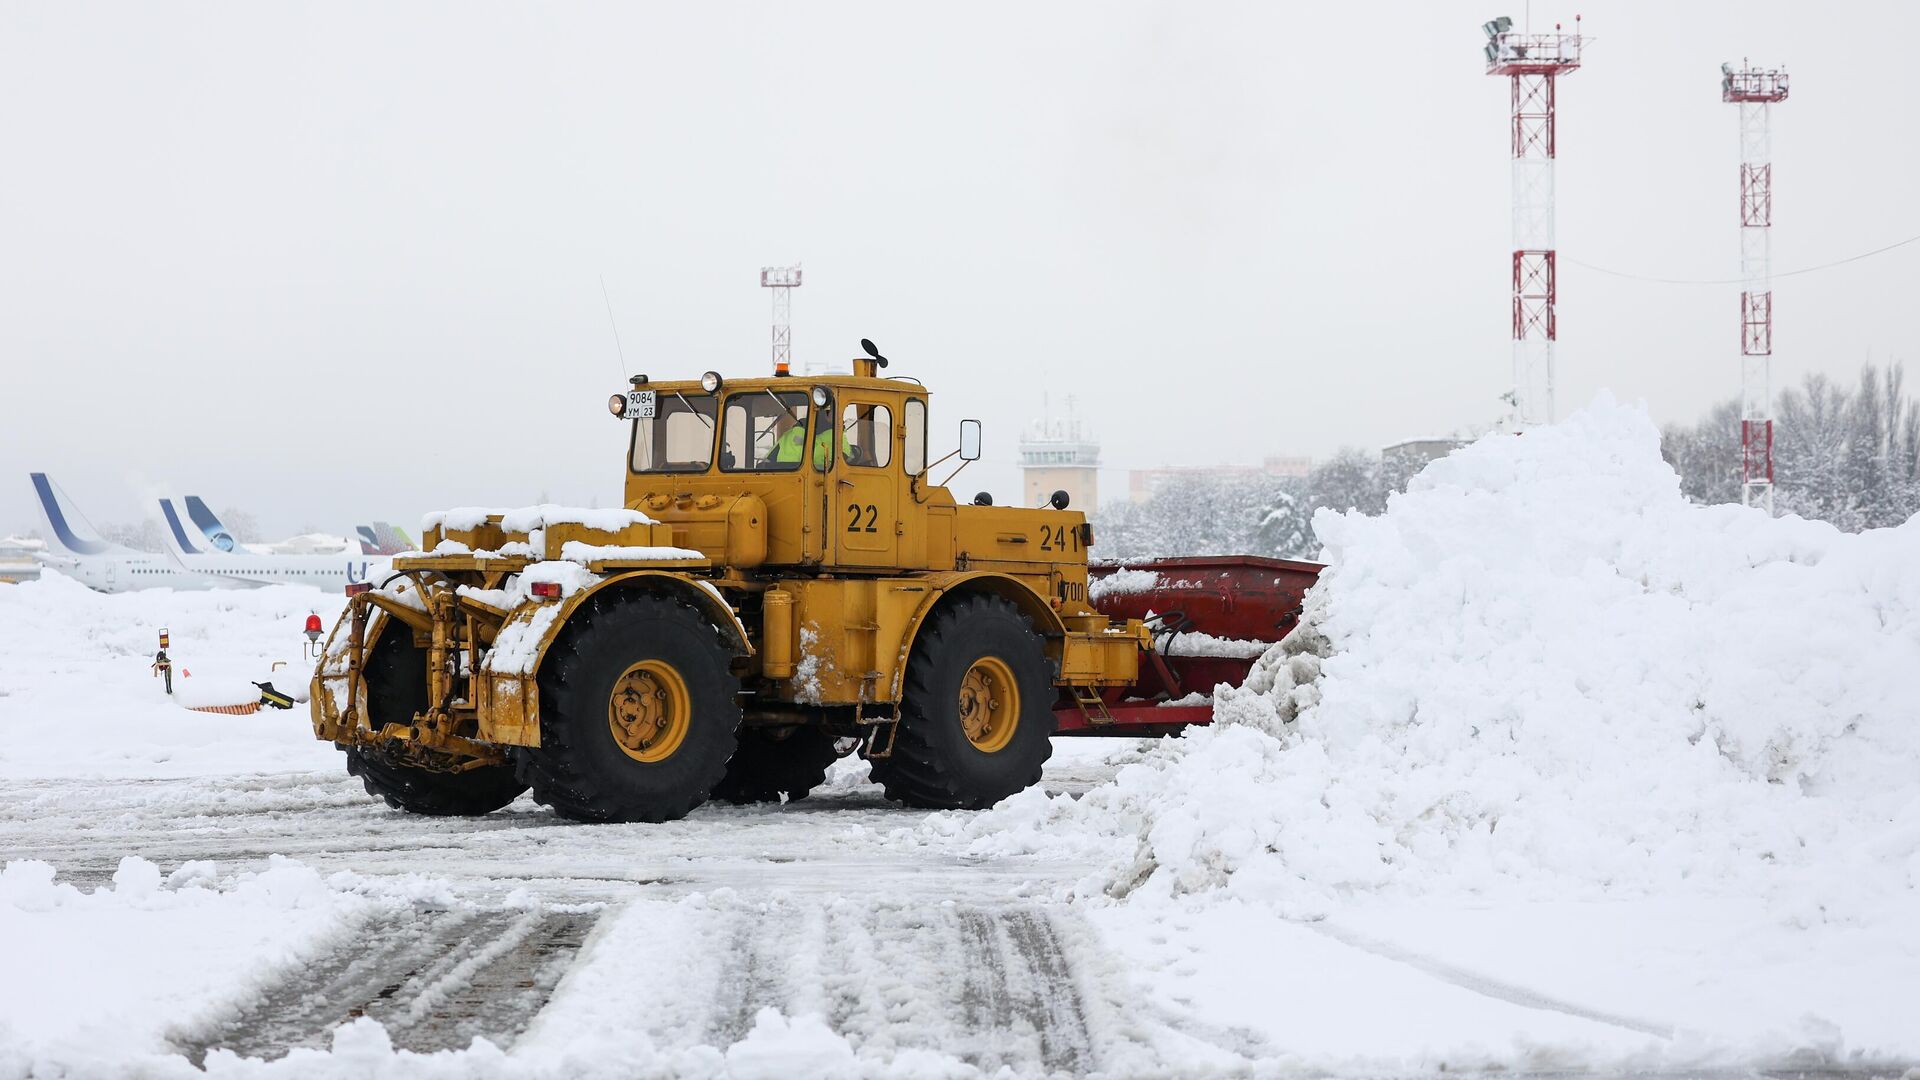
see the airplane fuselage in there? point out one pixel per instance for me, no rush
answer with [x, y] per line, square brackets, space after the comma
[128, 572]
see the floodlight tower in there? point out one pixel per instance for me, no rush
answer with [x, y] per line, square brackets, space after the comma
[1755, 90]
[782, 280]
[1533, 63]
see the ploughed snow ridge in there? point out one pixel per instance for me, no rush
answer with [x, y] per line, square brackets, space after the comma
[1543, 672]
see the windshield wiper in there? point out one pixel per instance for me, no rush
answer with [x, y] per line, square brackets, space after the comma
[694, 411]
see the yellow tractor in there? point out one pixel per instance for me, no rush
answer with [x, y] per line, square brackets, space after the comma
[785, 584]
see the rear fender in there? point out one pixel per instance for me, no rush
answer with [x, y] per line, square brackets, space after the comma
[950, 586]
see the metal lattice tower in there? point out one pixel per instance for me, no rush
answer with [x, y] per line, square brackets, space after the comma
[782, 280]
[1533, 63]
[1755, 90]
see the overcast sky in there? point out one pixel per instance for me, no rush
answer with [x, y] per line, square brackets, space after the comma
[338, 261]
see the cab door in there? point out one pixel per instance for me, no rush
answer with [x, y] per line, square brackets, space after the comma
[866, 480]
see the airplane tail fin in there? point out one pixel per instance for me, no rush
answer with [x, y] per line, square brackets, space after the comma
[68, 531]
[381, 538]
[178, 534]
[218, 535]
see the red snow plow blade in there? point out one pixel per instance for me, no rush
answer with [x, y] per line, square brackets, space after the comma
[1212, 616]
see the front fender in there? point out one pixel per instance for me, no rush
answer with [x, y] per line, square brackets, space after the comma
[507, 686]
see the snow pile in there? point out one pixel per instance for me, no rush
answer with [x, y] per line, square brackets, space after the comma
[103, 976]
[1542, 672]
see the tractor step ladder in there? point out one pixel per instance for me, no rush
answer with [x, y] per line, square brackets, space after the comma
[1098, 715]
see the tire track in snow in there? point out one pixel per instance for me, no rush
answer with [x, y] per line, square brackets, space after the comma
[994, 985]
[1489, 987]
[434, 979]
[1019, 982]
[747, 982]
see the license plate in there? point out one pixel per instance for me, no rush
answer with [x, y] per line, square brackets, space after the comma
[640, 404]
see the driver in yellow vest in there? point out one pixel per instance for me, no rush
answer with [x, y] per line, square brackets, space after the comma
[788, 449]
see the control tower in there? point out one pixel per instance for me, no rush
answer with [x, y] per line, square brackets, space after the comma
[1060, 454]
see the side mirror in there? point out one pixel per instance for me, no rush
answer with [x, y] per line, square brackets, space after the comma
[1060, 500]
[969, 440]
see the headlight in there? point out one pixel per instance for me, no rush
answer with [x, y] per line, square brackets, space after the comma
[710, 382]
[617, 404]
[819, 397]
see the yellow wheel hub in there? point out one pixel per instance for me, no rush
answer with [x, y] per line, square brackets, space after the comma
[989, 704]
[649, 711]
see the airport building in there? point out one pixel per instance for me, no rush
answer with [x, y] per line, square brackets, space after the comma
[1059, 454]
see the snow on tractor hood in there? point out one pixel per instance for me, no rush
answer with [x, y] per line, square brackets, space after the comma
[1543, 672]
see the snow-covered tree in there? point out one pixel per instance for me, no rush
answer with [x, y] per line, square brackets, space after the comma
[1850, 458]
[1207, 515]
[1349, 480]
[1256, 514]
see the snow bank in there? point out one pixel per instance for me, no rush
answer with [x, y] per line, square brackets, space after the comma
[1543, 673]
[102, 978]
[78, 697]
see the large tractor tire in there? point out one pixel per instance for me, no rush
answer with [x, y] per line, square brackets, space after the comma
[396, 682]
[976, 715]
[768, 767]
[638, 713]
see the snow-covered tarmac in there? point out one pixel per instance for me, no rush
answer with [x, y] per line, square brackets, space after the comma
[836, 936]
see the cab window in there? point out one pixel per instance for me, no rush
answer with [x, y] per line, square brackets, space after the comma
[678, 437]
[914, 454]
[868, 431]
[764, 432]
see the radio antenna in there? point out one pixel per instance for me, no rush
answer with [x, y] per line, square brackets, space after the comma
[616, 326]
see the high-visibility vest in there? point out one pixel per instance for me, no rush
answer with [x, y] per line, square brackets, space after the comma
[788, 448]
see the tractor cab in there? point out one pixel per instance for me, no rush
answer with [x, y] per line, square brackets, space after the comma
[824, 471]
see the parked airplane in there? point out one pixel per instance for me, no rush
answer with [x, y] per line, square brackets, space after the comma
[201, 544]
[76, 549]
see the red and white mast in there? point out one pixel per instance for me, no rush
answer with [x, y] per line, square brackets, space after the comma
[1755, 90]
[1533, 63]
